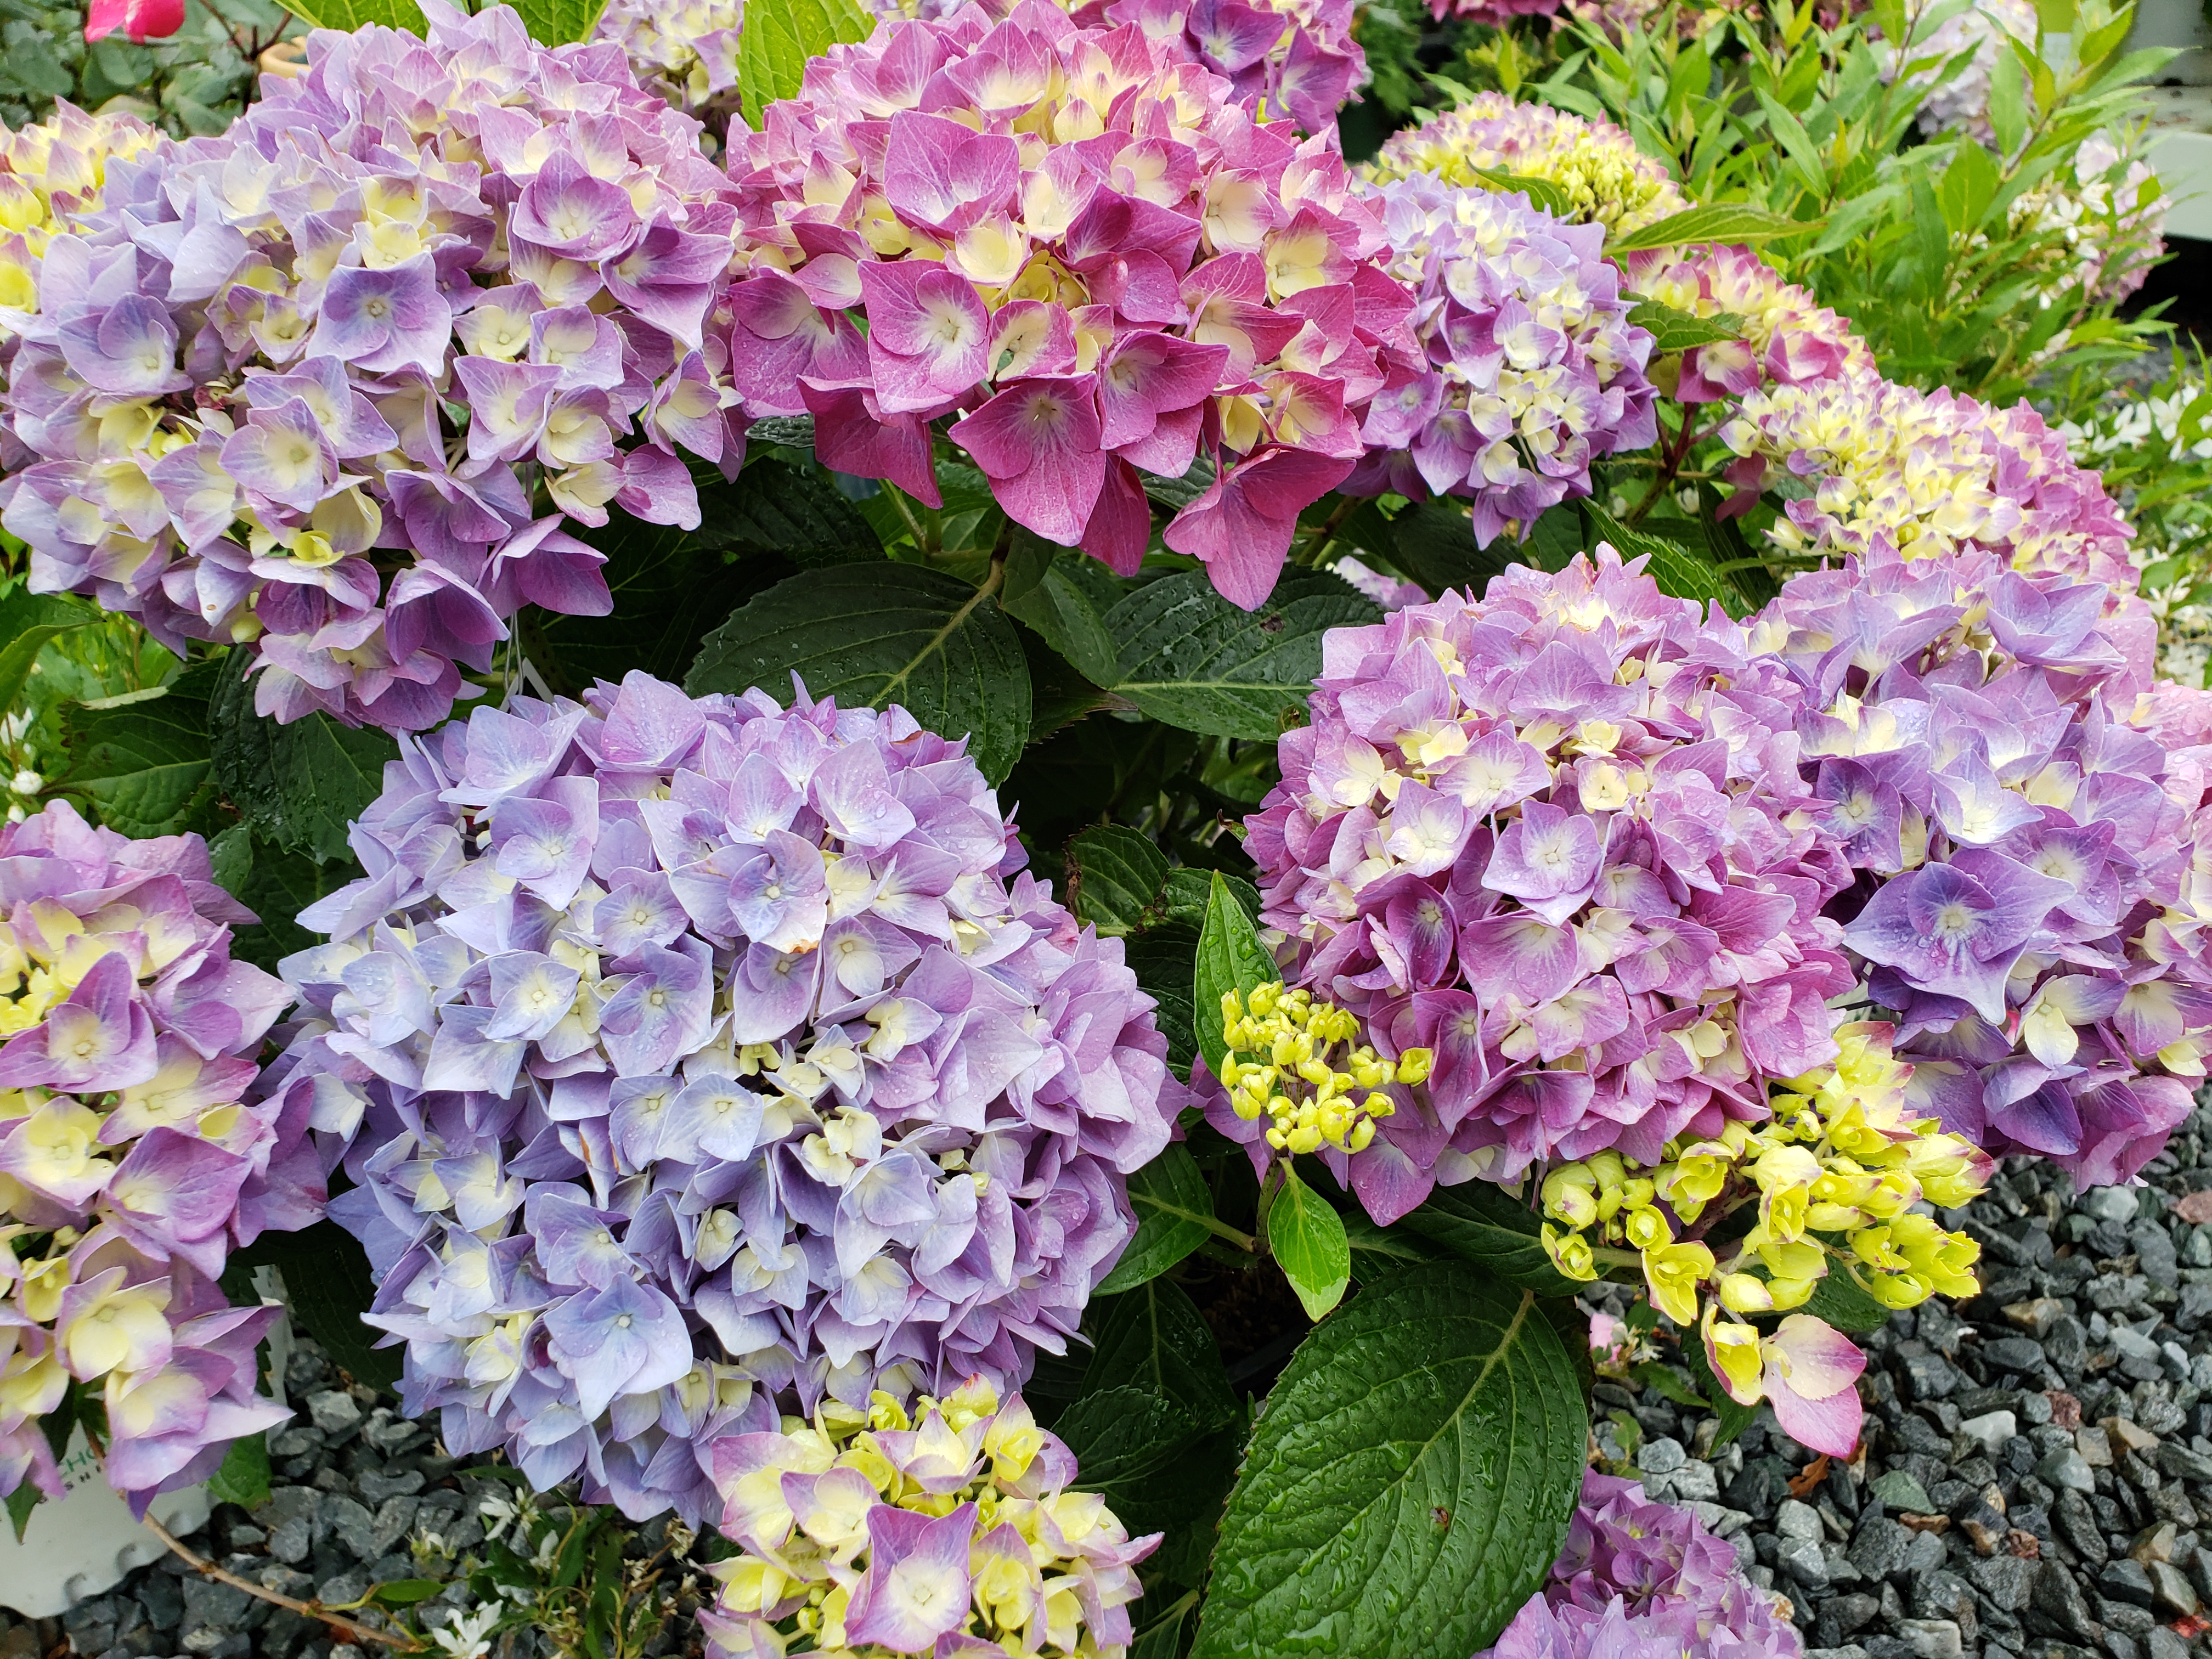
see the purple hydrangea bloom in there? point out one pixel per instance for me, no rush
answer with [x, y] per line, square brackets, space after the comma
[131, 1162]
[1640, 1580]
[1531, 369]
[1559, 838]
[247, 379]
[686, 1054]
[2026, 899]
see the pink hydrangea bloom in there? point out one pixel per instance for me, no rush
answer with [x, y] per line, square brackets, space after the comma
[1559, 838]
[1789, 336]
[1084, 245]
[1294, 55]
[131, 1162]
[687, 1053]
[238, 378]
[1530, 368]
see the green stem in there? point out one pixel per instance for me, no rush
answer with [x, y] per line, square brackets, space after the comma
[1222, 1230]
[913, 524]
[1269, 1187]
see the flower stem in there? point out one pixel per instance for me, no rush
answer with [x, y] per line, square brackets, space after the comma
[403, 1641]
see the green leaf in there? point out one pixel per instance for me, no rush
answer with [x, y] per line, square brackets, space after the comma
[1542, 193]
[300, 786]
[328, 1288]
[1188, 891]
[243, 1479]
[351, 15]
[795, 511]
[668, 587]
[1679, 571]
[1308, 1238]
[1432, 542]
[1666, 1382]
[1411, 1482]
[1231, 957]
[405, 1592]
[1790, 132]
[28, 622]
[1173, 1207]
[141, 762]
[559, 23]
[1115, 876]
[1718, 222]
[1190, 658]
[1063, 613]
[779, 36]
[1837, 1299]
[1153, 1345]
[1152, 1338]
[1163, 1639]
[1678, 330]
[1378, 1252]
[1163, 959]
[1481, 1222]
[276, 883]
[879, 635]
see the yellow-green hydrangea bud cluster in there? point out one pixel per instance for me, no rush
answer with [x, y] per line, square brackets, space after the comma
[1607, 179]
[1296, 1075]
[950, 1527]
[1835, 1173]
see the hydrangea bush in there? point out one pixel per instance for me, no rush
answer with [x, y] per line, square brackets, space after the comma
[133, 1156]
[1695, 732]
[683, 1051]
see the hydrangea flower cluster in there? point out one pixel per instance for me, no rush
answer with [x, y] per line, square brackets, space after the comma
[1086, 246]
[1531, 369]
[684, 50]
[2111, 214]
[1607, 180]
[1294, 56]
[247, 371]
[1637, 1580]
[952, 1529]
[1789, 336]
[1870, 462]
[2027, 904]
[688, 1052]
[1962, 101]
[52, 178]
[130, 1160]
[1843, 1158]
[1558, 838]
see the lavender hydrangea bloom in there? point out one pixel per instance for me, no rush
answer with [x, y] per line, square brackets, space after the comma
[238, 374]
[1532, 369]
[2026, 899]
[1640, 1580]
[131, 1162]
[1559, 837]
[686, 1054]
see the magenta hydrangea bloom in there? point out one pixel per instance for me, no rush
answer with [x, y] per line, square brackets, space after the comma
[1530, 368]
[686, 1053]
[1189, 281]
[1640, 1580]
[1558, 838]
[131, 1163]
[242, 375]
[2027, 895]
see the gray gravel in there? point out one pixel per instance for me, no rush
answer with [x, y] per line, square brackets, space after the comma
[2039, 1460]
